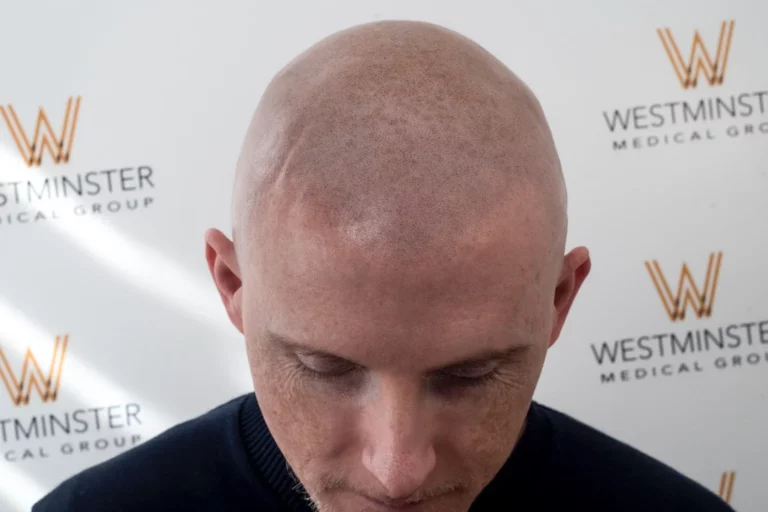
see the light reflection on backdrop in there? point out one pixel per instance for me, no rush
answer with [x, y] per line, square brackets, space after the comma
[136, 265]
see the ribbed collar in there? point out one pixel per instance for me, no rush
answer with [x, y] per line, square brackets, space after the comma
[267, 459]
[526, 477]
[522, 477]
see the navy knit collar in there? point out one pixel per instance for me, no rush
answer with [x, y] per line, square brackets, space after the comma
[267, 459]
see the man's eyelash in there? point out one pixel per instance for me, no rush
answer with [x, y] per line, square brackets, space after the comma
[458, 381]
[306, 370]
[442, 380]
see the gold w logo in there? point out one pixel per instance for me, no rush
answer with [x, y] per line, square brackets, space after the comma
[32, 376]
[699, 60]
[44, 137]
[726, 485]
[688, 292]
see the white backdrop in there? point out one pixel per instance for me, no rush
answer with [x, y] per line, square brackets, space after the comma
[106, 297]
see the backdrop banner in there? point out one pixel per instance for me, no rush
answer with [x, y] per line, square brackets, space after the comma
[120, 126]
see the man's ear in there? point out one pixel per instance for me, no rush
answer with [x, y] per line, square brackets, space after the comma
[576, 266]
[222, 262]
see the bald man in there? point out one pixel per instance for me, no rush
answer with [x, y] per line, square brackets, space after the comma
[397, 270]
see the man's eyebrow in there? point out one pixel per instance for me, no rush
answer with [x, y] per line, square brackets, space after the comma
[485, 357]
[293, 345]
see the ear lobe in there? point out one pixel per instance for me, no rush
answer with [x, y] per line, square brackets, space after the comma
[576, 267]
[222, 263]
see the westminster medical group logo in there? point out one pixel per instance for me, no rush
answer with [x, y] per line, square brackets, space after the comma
[711, 107]
[688, 294]
[42, 427]
[44, 139]
[699, 63]
[691, 342]
[727, 481]
[32, 377]
[40, 180]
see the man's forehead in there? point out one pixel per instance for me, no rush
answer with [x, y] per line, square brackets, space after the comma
[360, 307]
[470, 254]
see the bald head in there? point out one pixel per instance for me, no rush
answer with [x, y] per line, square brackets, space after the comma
[398, 270]
[403, 135]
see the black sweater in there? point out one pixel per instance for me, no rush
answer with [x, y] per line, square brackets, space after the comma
[226, 460]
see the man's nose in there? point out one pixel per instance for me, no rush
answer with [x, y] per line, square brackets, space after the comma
[399, 449]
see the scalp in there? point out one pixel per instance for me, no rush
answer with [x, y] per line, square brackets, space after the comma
[398, 134]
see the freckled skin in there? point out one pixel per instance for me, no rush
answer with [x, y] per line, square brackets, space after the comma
[399, 204]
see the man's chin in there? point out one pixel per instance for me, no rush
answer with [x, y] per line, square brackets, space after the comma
[348, 501]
